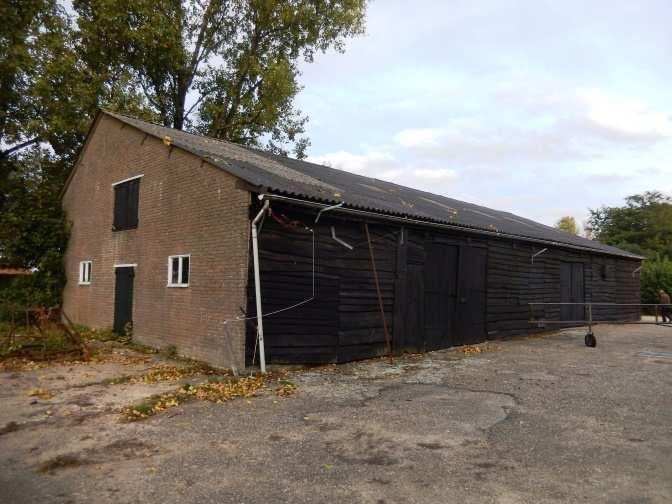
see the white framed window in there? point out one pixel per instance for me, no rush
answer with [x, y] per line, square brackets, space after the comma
[85, 273]
[178, 270]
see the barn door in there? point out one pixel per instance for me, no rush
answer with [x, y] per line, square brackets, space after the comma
[470, 315]
[440, 294]
[410, 310]
[578, 292]
[572, 291]
[123, 298]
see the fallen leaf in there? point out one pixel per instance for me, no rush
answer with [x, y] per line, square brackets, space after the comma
[41, 393]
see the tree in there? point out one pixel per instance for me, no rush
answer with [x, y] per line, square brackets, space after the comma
[33, 233]
[656, 274]
[568, 225]
[23, 22]
[226, 68]
[232, 63]
[643, 226]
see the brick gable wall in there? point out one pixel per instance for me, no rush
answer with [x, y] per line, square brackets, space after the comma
[186, 207]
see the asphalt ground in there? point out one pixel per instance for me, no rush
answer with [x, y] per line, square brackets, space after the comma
[530, 420]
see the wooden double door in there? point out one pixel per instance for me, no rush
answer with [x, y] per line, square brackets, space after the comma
[445, 296]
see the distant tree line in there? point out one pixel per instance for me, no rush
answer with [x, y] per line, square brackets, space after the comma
[642, 226]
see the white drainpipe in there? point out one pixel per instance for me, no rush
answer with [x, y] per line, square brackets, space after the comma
[257, 285]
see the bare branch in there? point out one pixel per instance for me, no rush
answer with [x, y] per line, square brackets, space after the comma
[18, 147]
[197, 102]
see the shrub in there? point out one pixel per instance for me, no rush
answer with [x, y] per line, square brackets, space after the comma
[656, 275]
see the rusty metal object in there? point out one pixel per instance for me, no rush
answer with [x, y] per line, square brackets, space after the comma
[388, 343]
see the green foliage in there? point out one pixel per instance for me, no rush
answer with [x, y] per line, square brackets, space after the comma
[170, 351]
[33, 232]
[239, 58]
[656, 274]
[568, 225]
[50, 340]
[23, 23]
[643, 226]
[90, 334]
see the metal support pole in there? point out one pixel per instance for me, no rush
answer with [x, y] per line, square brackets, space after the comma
[590, 318]
[257, 286]
[656, 312]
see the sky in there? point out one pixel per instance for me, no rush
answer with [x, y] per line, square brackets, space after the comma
[541, 108]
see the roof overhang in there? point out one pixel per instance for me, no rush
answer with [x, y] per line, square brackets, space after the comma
[438, 225]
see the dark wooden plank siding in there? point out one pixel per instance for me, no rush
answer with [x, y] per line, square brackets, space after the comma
[513, 282]
[343, 322]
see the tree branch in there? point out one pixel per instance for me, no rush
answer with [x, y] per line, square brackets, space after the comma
[17, 147]
[197, 102]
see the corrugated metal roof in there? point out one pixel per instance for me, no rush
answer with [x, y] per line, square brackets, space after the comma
[301, 179]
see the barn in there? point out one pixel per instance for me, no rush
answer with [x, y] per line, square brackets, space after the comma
[185, 237]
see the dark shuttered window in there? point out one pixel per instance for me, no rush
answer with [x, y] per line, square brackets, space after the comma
[126, 198]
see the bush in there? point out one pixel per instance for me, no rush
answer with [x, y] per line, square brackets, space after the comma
[656, 275]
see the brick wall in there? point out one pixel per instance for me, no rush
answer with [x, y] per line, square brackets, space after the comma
[186, 207]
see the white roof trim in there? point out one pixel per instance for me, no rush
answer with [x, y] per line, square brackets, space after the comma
[127, 179]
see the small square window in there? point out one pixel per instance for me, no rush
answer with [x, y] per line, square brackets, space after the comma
[178, 270]
[85, 273]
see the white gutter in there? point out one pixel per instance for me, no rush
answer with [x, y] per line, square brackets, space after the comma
[537, 254]
[257, 285]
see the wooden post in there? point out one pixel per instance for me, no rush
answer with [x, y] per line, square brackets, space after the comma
[388, 344]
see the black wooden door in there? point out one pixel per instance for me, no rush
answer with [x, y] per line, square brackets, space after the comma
[440, 294]
[470, 314]
[410, 324]
[578, 291]
[123, 298]
[572, 291]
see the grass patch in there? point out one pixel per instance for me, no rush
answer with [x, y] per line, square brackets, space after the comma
[140, 348]
[169, 352]
[36, 344]
[217, 391]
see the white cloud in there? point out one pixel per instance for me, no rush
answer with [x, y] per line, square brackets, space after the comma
[436, 174]
[367, 163]
[390, 175]
[542, 112]
[626, 116]
[421, 137]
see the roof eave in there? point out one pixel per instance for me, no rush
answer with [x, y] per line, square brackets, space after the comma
[443, 225]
